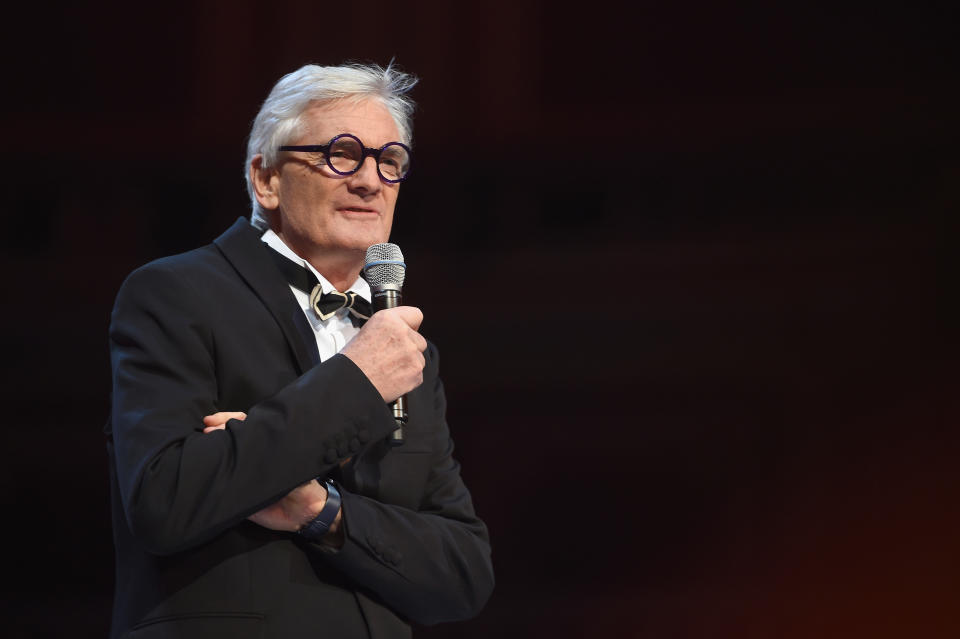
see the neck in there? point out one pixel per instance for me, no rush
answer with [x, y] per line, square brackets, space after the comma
[339, 267]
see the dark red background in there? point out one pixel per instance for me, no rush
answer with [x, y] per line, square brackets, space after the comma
[718, 399]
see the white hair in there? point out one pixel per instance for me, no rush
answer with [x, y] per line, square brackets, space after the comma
[279, 120]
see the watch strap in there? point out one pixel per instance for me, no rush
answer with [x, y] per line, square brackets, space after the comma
[320, 525]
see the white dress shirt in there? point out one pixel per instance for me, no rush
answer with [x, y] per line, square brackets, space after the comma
[332, 334]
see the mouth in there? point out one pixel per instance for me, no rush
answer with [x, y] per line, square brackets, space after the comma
[358, 210]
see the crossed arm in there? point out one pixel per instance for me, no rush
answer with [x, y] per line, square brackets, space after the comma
[389, 351]
[296, 508]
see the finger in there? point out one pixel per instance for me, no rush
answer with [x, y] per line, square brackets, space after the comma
[422, 363]
[210, 429]
[419, 341]
[223, 416]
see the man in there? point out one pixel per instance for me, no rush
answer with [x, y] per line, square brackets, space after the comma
[255, 492]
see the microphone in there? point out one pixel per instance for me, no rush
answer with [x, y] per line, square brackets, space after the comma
[384, 271]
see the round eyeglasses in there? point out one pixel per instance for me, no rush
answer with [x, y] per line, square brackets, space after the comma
[345, 153]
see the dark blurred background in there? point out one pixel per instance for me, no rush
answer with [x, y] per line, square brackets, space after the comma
[718, 399]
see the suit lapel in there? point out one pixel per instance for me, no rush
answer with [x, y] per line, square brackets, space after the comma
[242, 247]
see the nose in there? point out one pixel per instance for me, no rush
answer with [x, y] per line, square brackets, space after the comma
[366, 179]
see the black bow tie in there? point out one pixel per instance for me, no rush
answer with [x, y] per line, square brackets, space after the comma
[325, 305]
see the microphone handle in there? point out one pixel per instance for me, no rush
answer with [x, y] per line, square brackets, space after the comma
[388, 296]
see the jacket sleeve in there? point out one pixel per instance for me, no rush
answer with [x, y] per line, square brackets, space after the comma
[431, 564]
[180, 487]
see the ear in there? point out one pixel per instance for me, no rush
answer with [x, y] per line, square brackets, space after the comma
[266, 184]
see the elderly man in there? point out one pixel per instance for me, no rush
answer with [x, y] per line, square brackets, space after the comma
[255, 491]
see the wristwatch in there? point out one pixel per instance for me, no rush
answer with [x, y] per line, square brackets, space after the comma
[318, 527]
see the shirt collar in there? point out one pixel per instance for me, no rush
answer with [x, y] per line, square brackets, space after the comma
[271, 239]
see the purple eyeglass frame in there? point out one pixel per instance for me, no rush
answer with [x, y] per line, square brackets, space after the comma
[367, 151]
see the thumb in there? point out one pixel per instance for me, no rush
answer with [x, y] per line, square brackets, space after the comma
[411, 316]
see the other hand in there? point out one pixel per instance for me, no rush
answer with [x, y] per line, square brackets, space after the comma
[218, 421]
[296, 509]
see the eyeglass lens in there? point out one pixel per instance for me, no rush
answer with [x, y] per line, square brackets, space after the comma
[346, 154]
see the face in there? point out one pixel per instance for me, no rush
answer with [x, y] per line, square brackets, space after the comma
[318, 212]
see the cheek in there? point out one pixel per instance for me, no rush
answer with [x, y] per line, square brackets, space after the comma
[305, 202]
[392, 200]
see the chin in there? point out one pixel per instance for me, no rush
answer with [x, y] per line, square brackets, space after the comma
[364, 240]
[360, 244]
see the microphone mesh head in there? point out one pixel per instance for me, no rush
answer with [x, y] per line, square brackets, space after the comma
[384, 265]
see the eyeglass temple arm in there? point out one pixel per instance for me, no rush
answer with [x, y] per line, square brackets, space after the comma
[322, 148]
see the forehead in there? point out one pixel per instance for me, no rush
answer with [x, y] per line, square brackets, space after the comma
[368, 119]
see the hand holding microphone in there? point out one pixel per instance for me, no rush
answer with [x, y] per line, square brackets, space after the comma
[388, 349]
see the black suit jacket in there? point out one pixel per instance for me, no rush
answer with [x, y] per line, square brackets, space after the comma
[217, 329]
